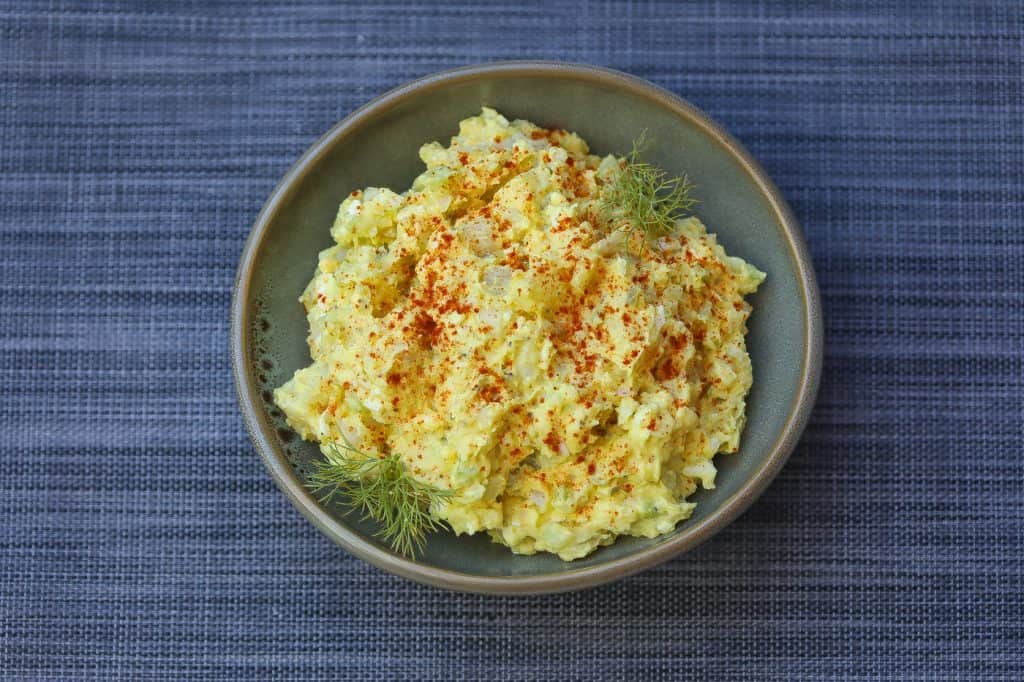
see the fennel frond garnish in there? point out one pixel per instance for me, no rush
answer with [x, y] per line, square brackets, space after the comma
[645, 198]
[383, 490]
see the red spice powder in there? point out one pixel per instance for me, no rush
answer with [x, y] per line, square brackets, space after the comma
[427, 329]
[667, 370]
[490, 393]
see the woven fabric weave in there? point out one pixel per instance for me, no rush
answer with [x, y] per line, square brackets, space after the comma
[141, 538]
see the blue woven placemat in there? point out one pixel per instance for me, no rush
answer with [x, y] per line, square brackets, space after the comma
[140, 537]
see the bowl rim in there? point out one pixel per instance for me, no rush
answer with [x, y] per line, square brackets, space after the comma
[572, 579]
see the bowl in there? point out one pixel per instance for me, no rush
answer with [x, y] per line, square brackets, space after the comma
[378, 145]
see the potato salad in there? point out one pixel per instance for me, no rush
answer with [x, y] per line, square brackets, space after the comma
[567, 377]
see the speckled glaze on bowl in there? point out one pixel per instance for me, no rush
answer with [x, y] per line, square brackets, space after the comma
[378, 145]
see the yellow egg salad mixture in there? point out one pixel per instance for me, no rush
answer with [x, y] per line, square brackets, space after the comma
[567, 382]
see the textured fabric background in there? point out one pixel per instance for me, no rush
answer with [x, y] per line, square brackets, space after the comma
[140, 537]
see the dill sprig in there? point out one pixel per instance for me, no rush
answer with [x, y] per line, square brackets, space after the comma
[383, 489]
[644, 197]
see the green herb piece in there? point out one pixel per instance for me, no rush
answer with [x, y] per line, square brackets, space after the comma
[383, 489]
[644, 197]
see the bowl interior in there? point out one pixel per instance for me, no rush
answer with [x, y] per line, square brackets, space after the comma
[382, 151]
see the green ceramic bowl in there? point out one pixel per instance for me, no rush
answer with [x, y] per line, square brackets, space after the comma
[378, 145]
